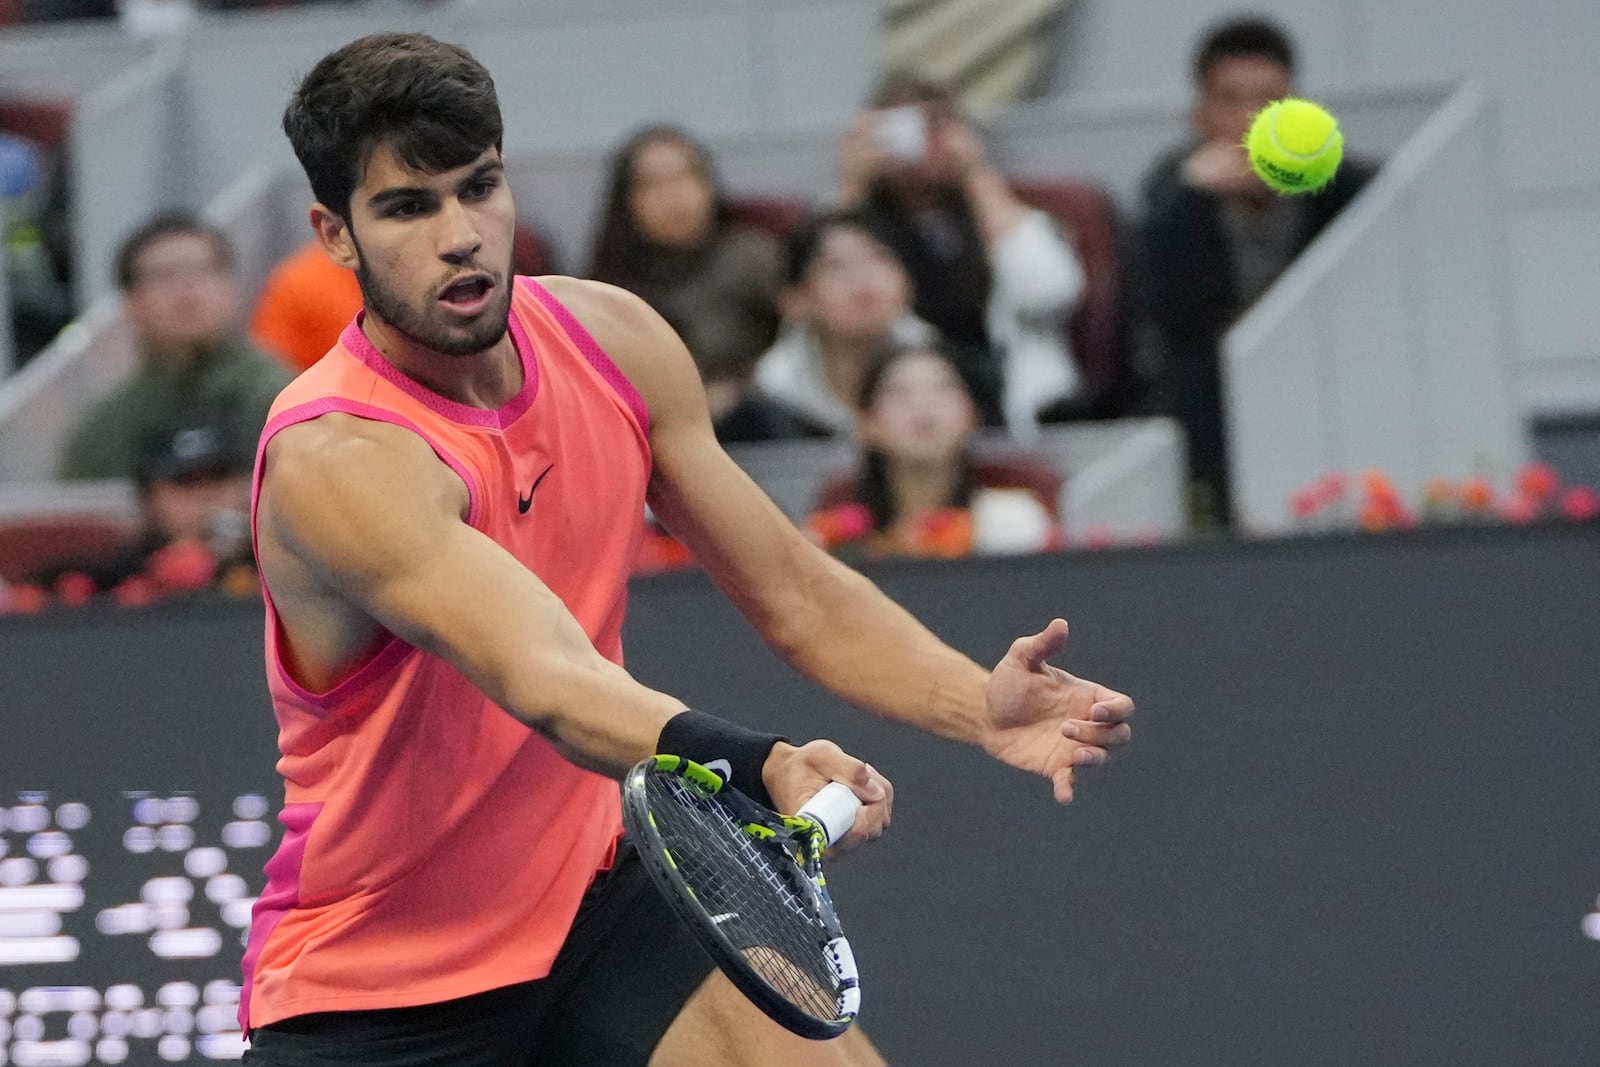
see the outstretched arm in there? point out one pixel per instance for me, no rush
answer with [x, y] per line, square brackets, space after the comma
[829, 621]
[360, 523]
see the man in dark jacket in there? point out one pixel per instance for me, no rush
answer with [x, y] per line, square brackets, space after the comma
[1215, 237]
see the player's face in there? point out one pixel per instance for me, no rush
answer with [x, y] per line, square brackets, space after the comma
[670, 195]
[921, 413]
[433, 251]
[1235, 88]
[855, 288]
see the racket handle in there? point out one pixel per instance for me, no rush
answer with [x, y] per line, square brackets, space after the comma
[834, 806]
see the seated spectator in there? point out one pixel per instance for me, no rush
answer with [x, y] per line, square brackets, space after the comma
[194, 523]
[1215, 237]
[845, 295]
[989, 273]
[920, 491]
[181, 295]
[667, 234]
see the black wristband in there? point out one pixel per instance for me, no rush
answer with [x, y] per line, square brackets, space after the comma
[728, 749]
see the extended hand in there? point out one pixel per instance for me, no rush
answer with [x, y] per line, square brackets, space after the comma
[1044, 720]
[1223, 168]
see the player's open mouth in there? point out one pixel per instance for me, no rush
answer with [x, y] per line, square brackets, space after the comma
[468, 295]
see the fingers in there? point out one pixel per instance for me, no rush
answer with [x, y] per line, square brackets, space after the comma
[1097, 735]
[1061, 779]
[1035, 650]
[1112, 707]
[815, 764]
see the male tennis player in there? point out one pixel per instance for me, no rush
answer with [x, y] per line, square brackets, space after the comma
[447, 506]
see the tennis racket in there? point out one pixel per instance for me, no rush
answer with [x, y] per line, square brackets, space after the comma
[748, 882]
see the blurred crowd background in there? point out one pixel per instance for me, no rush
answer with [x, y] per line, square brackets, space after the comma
[962, 277]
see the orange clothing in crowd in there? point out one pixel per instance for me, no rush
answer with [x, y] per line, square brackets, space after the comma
[304, 306]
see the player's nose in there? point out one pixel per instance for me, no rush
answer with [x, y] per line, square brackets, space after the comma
[458, 237]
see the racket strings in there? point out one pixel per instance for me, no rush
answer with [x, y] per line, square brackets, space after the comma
[751, 891]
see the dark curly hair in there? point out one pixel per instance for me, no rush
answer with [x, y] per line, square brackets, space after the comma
[431, 102]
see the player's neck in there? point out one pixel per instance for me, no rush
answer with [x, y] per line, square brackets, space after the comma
[484, 379]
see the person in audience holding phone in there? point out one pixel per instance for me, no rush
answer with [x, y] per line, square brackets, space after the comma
[446, 513]
[988, 272]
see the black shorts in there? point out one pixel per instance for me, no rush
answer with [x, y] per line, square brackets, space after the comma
[625, 971]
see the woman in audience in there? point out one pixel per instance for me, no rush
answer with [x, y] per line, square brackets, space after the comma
[987, 269]
[920, 490]
[667, 234]
[845, 296]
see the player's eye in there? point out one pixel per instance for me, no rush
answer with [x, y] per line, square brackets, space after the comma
[481, 188]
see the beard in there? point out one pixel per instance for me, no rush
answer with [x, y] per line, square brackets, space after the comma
[413, 323]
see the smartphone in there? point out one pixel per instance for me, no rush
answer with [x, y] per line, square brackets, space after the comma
[902, 132]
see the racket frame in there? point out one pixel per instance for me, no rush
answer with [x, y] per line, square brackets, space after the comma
[803, 839]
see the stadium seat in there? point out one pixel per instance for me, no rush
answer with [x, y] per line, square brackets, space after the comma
[1098, 330]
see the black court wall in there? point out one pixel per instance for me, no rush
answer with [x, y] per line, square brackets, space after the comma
[1360, 822]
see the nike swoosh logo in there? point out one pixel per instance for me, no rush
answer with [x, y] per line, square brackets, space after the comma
[526, 502]
[721, 768]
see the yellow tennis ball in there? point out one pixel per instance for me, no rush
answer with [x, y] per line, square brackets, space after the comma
[1294, 145]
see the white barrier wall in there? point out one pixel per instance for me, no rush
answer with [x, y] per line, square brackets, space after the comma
[1388, 345]
[40, 404]
[130, 148]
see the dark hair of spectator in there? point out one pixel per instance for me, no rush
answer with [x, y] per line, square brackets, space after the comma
[805, 244]
[1249, 36]
[159, 228]
[875, 492]
[621, 243]
[430, 102]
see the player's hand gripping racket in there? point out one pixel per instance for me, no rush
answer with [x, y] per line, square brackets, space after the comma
[749, 883]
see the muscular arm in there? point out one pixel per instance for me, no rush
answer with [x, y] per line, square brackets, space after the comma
[830, 622]
[366, 515]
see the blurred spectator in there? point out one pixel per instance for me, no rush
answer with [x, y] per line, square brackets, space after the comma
[920, 490]
[993, 275]
[304, 305]
[1216, 237]
[308, 300]
[667, 234]
[194, 521]
[182, 297]
[845, 296]
[40, 302]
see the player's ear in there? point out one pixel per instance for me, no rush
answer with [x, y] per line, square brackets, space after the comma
[334, 234]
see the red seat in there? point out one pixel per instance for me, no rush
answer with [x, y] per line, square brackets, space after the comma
[32, 543]
[37, 118]
[776, 215]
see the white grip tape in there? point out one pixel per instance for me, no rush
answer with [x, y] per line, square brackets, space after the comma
[835, 807]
